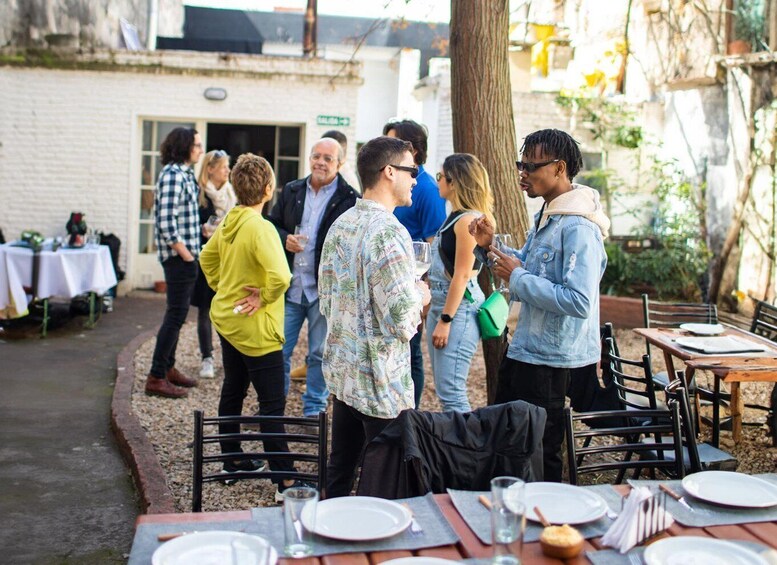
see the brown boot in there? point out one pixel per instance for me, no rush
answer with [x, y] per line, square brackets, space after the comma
[178, 378]
[163, 387]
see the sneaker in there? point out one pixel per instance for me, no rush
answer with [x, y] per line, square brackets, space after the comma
[280, 488]
[206, 368]
[243, 466]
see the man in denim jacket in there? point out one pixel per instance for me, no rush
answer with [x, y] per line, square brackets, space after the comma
[556, 277]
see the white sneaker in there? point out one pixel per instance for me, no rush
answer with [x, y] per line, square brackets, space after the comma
[206, 368]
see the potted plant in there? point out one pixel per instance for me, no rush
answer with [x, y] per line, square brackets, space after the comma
[749, 24]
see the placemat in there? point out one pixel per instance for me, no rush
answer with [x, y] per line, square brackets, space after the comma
[708, 514]
[436, 531]
[478, 517]
[145, 543]
[612, 557]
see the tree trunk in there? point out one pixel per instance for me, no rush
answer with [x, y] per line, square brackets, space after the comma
[483, 125]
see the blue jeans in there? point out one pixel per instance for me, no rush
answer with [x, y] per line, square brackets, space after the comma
[450, 365]
[316, 394]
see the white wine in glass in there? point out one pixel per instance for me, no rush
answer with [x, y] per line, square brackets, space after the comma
[423, 258]
[502, 240]
[302, 238]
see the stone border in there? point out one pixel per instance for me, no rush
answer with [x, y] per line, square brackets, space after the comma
[148, 476]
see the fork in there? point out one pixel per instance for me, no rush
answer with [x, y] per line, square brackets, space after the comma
[415, 527]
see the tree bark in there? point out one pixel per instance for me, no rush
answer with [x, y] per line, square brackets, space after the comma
[483, 125]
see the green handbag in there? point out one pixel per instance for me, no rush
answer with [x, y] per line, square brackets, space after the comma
[492, 314]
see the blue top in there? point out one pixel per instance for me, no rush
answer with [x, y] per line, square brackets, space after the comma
[427, 212]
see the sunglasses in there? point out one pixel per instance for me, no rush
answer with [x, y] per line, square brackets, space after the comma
[412, 170]
[531, 167]
[219, 154]
[441, 176]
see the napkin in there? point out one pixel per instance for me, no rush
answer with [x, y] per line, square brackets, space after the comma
[623, 533]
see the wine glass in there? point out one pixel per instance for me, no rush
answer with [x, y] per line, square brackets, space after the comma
[423, 258]
[303, 235]
[501, 241]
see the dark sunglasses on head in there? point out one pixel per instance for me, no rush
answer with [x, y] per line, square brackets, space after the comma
[440, 176]
[412, 170]
[531, 167]
[219, 153]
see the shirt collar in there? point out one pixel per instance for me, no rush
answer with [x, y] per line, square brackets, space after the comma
[327, 188]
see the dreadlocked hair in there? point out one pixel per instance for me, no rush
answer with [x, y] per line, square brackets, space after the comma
[556, 144]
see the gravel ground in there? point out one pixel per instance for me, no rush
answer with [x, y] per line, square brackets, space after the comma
[168, 423]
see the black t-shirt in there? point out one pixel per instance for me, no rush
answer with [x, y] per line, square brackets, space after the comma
[448, 243]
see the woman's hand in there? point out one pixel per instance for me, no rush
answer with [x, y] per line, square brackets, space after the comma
[440, 335]
[482, 230]
[504, 265]
[248, 305]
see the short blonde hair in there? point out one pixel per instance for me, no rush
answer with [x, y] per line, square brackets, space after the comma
[250, 178]
[211, 160]
[470, 187]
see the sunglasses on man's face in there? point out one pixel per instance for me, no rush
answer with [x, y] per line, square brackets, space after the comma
[412, 170]
[529, 168]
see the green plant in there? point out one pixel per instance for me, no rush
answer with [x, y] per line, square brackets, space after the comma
[750, 23]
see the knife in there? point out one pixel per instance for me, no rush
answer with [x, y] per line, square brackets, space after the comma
[677, 497]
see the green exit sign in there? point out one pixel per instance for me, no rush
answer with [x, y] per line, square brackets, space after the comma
[337, 121]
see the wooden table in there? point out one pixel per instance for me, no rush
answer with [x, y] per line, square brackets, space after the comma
[732, 369]
[469, 544]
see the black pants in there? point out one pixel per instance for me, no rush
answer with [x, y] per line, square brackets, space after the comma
[351, 432]
[180, 277]
[417, 366]
[545, 387]
[265, 373]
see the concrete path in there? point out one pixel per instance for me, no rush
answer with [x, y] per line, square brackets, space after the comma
[65, 492]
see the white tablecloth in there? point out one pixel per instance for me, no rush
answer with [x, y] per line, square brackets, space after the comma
[65, 272]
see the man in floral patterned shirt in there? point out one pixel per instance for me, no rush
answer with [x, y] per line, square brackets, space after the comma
[369, 295]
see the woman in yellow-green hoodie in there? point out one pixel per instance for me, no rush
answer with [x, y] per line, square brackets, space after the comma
[243, 256]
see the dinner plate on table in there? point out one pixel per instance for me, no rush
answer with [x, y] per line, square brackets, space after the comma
[703, 329]
[563, 504]
[689, 550]
[213, 548]
[731, 489]
[358, 518]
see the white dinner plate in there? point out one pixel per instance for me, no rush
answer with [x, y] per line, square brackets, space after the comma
[418, 561]
[731, 489]
[212, 548]
[563, 504]
[358, 518]
[693, 550]
[703, 329]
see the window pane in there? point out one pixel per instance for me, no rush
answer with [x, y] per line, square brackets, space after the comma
[164, 128]
[146, 242]
[288, 144]
[287, 171]
[148, 130]
[146, 204]
[147, 173]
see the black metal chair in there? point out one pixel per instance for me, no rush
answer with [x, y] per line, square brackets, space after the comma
[765, 324]
[601, 455]
[635, 391]
[207, 463]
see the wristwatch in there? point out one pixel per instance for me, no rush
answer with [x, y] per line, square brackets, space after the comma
[445, 319]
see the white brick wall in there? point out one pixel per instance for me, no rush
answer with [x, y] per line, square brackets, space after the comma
[70, 140]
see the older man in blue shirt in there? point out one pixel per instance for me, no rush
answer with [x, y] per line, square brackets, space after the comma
[310, 206]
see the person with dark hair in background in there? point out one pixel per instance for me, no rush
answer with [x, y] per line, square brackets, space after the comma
[312, 204]
[177, 233]
[346, 170]
[556, 277]
[422, 219]
[372, 302]
[216, 199]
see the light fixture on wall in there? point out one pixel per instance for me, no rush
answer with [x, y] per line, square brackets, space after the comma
[214, 93]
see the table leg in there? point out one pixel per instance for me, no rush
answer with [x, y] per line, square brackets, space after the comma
[90, 324]
[737, 408]
[45, 324]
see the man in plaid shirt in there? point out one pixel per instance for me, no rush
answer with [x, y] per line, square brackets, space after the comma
[177, 232]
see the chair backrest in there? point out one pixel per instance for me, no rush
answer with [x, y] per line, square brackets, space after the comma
[675, 391]
[307, 444]
[765, 320]
[586, 456]
[634, 390]
[672, 314]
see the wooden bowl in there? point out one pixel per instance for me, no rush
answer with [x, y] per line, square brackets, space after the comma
[570, 545]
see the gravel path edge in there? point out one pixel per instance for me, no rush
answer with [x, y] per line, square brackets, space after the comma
[137, 451]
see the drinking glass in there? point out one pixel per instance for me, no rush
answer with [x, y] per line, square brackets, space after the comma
[303, 235]
[508, 519]
[211, 225]
[502, 240]
[423, 258]
[299, 520]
